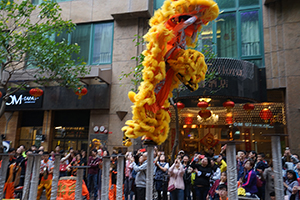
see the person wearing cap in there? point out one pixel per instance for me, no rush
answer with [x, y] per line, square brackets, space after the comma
[46, 171]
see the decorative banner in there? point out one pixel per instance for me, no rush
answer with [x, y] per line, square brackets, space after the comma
[188, 120]
[209, 140]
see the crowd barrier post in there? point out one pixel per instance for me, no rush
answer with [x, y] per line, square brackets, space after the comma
[105, 178]
[120, 175]
[3, 172]
[35, 176]
[28, 171]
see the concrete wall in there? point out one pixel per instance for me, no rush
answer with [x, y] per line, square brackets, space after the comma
[100, 10]
[282, 59]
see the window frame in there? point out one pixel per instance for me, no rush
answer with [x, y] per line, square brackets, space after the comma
[237, 9]
[91, 43]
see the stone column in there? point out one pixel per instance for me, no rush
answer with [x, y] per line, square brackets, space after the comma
[231, 171]
[105, 178]
[120, 175]
[78, 187]
[3, 170]
[35, 176]
[149, 173]
[55, 177]
[277, 167]
[27, 177]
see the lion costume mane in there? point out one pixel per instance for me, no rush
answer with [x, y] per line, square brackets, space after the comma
[167, 62]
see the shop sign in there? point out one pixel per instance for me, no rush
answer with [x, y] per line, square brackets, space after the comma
[249, 124]
[23, 100]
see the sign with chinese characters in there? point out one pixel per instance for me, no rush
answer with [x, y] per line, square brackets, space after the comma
[209, 140]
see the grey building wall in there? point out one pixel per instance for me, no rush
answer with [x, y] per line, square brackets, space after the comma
[281, 20]
[130, 18]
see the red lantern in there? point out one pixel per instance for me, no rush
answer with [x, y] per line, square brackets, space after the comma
[265, 114]
[188, 120]
[229, 118]
[248, 107]
[204, 114]
[228, 105]
[81, 92]
[180, 105]
[0, 94]
[202, 104]
[36, 92]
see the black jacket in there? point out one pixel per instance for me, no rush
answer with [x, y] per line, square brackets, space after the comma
[203, 176]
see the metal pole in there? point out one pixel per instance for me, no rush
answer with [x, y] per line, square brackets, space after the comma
[27, 177]
[78, 188]
[3, 170]
[231, 171]
[150, 171]
[35, 177]
[120, 175]
[105, 178]
[277, 167]
[55, 177]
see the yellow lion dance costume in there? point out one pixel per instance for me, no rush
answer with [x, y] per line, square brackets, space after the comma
[167, 62]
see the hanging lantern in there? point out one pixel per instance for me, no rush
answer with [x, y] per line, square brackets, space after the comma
[228, 118]
[81, 92]
[265, 114]
[204, 114]
[0, 94]
[248, 107]
[36, 92]
[228, 105]
[180, 106]
[202, 104]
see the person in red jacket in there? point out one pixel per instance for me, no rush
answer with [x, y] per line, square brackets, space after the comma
[93, 173]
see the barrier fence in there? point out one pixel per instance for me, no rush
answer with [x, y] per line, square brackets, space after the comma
[32, 175]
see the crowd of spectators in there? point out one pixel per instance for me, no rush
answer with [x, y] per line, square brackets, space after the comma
[201, 176]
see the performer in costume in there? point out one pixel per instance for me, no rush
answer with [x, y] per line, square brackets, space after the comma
[46, 171]
[167, 62]
[9, 184]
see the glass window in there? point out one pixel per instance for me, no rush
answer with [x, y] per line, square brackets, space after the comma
[226, 36]
[158, 4]
[248, 3]
[81, 35]
[103, 34]
[226, 4]
[40, 1]
[250, 33]
[205, 39]
[258, 62]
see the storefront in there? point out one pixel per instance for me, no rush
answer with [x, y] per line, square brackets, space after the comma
[240, 82]
[58, 117]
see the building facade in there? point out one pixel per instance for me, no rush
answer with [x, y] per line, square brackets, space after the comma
[254, 41]
[282, 50]
[105, 31]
